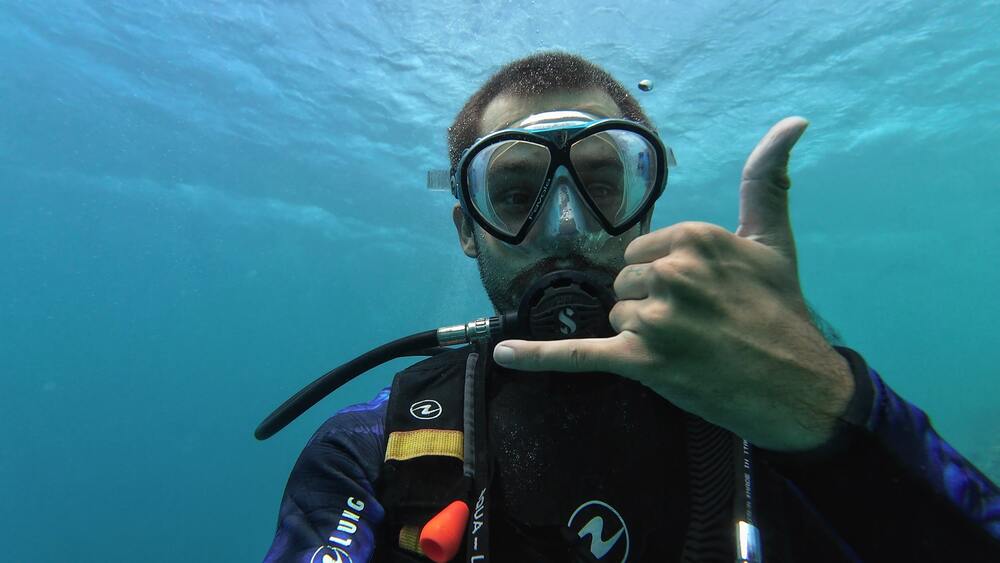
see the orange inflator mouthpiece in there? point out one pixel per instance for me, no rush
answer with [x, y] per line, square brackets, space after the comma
[442, 535]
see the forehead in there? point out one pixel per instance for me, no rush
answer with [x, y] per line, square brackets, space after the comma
[505, 110]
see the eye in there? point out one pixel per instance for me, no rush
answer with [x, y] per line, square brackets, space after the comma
[514, 197]
[603, 191]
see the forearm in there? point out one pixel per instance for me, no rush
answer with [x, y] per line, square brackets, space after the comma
[893, 487]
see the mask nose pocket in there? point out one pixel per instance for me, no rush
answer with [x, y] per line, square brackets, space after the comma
[565, 213]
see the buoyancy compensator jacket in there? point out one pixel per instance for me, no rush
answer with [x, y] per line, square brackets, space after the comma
[576, 467]
[595, 468]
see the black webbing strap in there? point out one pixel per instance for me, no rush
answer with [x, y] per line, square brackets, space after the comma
[711, 472]
[748, 547]
[477, 460]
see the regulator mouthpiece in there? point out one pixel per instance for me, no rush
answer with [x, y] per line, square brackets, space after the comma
[565, 304]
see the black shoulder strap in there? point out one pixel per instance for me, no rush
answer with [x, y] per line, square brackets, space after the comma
[425, 450]
[479, 462]
[712, 493]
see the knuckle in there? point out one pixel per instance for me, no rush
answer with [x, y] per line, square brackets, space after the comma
[684, 274]
[686, 233]
[527, 357]
[664, 269]
[655, 315]
[626, 277]
[577, 357]
[701, 235]
[688, 267]
[674, 270]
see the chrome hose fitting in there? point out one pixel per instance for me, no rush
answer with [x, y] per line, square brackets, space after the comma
[451, 335]
[475, 331]
[479, 329]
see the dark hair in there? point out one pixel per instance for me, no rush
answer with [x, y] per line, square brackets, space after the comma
[535, 75]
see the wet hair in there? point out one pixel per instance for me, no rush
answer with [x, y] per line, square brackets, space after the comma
[536, 75]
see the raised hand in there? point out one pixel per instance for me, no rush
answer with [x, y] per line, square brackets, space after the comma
[715, 322]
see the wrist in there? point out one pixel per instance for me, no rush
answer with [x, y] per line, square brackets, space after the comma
[852, 418]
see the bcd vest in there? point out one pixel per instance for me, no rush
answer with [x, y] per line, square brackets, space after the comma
[580, 467]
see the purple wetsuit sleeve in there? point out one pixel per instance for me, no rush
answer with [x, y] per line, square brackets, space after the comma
[329, 506]
[893, 488]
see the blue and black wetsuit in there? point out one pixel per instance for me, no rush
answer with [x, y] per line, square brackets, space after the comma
[887, 488]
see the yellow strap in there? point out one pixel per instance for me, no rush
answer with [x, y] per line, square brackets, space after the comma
[417, 443]
[409, 539]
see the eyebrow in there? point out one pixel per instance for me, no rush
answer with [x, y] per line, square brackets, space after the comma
[507, 165]
[604, 161]
[520, 164]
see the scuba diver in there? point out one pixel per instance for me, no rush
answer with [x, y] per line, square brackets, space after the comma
[639, 395]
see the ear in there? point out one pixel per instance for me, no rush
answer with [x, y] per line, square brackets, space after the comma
[466, 236]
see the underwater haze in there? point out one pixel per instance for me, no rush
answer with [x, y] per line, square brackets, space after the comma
[205, 205]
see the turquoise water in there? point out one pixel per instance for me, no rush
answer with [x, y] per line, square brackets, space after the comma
[205, 205]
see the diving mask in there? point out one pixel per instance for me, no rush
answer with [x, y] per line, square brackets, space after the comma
[613, 168]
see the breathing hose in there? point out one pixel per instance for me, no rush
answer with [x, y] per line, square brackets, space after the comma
[560, 304]
[420, 344]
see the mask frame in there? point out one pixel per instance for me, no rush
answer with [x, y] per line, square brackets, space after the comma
[559, 141]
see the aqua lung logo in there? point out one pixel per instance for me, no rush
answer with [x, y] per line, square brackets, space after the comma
[478, 521]
[327, 554]
[565, 317]
[426, 410]
[600, 526]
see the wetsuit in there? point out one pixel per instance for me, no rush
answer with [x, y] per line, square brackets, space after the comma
[886, 488]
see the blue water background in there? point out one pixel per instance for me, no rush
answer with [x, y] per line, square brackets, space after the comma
[204, 205]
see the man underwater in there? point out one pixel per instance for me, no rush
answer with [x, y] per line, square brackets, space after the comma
[712, 422]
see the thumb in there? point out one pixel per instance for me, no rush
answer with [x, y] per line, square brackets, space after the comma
[764, 188]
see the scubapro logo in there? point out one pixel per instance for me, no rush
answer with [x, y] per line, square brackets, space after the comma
[327, 554]
[426, 409]
[565, 317]
[605, 529]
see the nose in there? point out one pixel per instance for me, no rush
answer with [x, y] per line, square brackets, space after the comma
[567, 212]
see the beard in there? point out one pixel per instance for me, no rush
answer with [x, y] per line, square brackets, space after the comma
[505, 285]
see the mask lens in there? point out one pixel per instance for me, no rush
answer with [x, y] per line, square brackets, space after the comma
[618, 171]
[504, 180]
